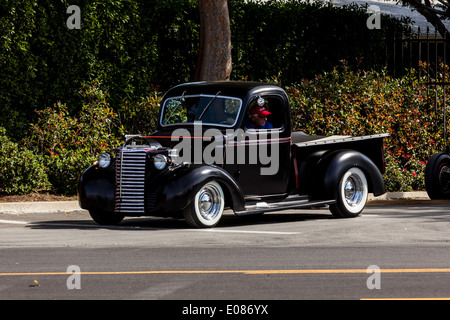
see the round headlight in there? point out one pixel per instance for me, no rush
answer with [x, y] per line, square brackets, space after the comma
[160, 161]
[104, 160]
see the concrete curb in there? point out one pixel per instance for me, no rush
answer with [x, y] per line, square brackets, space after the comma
[416, 195]
[39, 207]
[404, 198]
[391, 198]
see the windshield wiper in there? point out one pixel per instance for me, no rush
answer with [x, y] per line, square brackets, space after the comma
[207, 106]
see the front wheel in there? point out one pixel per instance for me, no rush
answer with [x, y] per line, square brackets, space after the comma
[352, 194]
[206, 209]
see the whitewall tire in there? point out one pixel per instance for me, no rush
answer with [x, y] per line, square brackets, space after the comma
[352, 194]
[207, 207]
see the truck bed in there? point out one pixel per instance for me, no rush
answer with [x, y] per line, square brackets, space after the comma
[308, 150]
[305, 145]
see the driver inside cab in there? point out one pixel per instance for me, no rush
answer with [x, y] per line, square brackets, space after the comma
[257, 118]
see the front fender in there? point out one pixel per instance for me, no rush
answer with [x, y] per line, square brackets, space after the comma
[335, 164]
[177, 190]
[96, 188]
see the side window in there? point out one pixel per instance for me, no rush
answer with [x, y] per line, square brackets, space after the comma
[264, 113]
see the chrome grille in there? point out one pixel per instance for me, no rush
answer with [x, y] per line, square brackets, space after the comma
[130, 181]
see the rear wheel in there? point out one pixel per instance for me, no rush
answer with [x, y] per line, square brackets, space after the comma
[437, 176]
[352, 194]
[105, 218]
[206, 209]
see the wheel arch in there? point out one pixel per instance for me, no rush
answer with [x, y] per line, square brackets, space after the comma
[96, 188]
[179, 192]
[336, 163]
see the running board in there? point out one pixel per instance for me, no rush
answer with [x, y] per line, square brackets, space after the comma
[262, 207]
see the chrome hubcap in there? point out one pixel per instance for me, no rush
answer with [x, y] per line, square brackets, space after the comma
[205, 202]
[209, 202]
[353, 190]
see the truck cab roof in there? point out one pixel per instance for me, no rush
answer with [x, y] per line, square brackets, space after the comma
[239, 89]
[239, 94]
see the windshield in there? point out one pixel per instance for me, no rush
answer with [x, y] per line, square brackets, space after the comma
[210, 109]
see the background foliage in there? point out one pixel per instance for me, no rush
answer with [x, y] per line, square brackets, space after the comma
[347, 102]
[67, 95]
[134, 46]
[126, 45]
[21, 171]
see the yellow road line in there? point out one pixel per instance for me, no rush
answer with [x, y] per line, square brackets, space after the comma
[296, 271]
[405, 299]
[324, 271]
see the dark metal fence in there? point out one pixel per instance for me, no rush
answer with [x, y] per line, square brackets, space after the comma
[416, 52]
[427, 55]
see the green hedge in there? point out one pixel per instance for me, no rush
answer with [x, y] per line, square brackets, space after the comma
[129, 46]
[126, 45]
[21, 171]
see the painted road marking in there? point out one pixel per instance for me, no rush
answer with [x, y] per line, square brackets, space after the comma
[244, 231]
[13, 222]
[296, 271]
[406, 299]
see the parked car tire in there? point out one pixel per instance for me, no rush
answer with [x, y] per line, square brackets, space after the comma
[206, 210]
[106, 218]
[352, 194]
[437, 176]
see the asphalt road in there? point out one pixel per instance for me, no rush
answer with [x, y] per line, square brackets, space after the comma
[389, 252]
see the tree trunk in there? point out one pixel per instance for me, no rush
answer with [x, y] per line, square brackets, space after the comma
[214, 59]
[434, 15]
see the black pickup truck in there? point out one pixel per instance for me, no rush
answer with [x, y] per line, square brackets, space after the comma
[229, 144]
